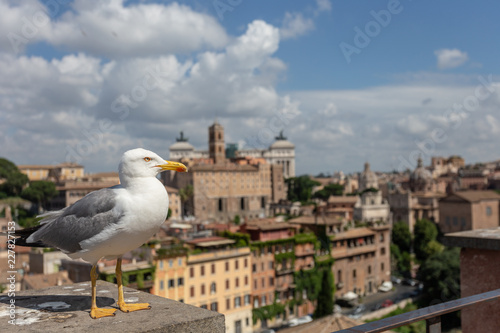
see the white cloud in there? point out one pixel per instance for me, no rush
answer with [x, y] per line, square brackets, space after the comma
[114, 30]
[324, 5]
[450, 58]
[295, 25]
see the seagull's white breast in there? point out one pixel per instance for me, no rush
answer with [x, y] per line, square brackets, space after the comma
[143, 205]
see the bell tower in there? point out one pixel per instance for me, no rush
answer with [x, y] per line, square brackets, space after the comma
[217, 150]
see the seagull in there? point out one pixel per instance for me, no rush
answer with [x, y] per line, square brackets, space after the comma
[109, 222]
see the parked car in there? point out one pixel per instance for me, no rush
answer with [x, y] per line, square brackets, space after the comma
[387, 303]
[359, 309]
[410, 282]
[396, 280]
[299, 321]
[385, 286]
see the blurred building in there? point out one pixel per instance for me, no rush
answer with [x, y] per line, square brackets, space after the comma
[224, 188]
[63, 171]
[469, 210]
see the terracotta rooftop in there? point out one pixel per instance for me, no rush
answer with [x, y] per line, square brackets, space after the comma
[210, 241]
[341, 199]
[320, 220]
[270, 226]
[355, 232]
[328, 324]
[474, 196]
[39, 281]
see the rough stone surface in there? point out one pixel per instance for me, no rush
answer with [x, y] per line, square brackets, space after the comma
[68, 307]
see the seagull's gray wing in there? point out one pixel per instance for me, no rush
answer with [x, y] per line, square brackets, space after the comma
[84, 219]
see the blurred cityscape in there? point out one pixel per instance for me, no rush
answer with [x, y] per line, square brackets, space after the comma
[272, 250]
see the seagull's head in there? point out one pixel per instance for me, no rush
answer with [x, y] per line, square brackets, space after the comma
[144, 163]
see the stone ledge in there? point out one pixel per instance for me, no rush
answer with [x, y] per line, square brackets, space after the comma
[67, 307]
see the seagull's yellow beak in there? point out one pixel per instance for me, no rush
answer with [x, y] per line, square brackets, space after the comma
[179, 167]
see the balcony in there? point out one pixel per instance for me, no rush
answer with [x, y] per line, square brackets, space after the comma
[67, 308]
[432, 315]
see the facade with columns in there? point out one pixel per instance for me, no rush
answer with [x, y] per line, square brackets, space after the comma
[280, 152]
[371, 207]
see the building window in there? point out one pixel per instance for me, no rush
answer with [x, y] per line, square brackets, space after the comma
[263, 282]
[161, 264]
[213, 306]
[247, 321]
[162, 285]
[242, 203]
[180, 281]
[247, 299]
[203, 289]
[339, 276]
[246, 280]
[213, 288]
[271, 281]
[271, 265]
[245, 262]
[263, 202]
[213, 268]
[202, 270]
[381, 238]
[227, 284]
[354, 273]
[204, 306]
[263, 301]
[236, 264]
[488, 211]
[170, 263]
[227, 266]
[382, 267]
[191, 272]
[179, 262]
[171, 283]
[382, 251]
[192, 292]
[237, 282]
[254, 268]
[255, 283]
[220, 205]
[369, 269]
[228, 304]
[237, 302]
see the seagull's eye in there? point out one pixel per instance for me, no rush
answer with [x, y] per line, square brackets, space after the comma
[147, 159]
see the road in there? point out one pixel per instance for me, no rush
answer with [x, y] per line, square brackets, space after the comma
[401, 292]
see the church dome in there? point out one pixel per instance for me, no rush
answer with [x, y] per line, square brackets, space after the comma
[368, 179]
[181, 144]
[421, 173]
[282, 143]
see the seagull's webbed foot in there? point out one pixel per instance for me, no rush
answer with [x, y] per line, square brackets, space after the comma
[133, 307]
[97, 313]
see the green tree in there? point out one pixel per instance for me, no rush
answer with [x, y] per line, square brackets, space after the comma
[328, 190]
[185, 194]
[300, 188]
[324, 306]
[440, 274]
[424, 233]
[401, 236]
[40, 192]
[237, 220]
[14, 179]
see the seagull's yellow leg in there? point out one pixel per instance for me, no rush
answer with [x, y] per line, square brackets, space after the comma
[121, 301]
[96, 312]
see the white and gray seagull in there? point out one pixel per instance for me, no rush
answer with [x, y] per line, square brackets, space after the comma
[109, 222]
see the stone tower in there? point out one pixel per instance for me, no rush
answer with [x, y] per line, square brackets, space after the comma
[216, 146]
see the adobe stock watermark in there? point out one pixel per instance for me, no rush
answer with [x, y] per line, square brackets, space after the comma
[222, 6]
[454, 117]
[30, 26]
[265, 136]
[121, 106]
[363, 37]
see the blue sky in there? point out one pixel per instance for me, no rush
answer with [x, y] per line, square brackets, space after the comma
[84, 81]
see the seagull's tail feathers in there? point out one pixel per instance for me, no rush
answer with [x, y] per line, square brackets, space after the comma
[24, 234]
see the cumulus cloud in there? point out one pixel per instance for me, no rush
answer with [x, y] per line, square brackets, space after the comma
[295, 25]
[324, 5]
[450, 58]
[111, 28]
